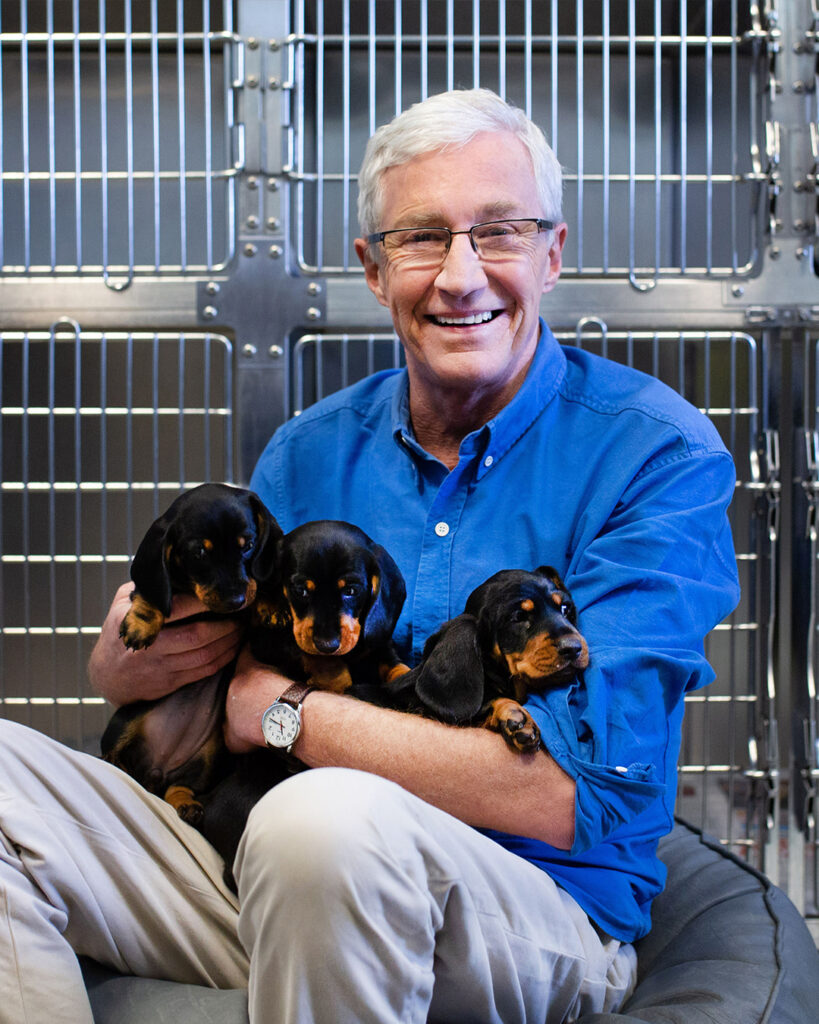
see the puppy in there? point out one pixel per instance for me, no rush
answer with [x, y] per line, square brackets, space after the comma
[518, 635]
[215, 542]
[339, 598]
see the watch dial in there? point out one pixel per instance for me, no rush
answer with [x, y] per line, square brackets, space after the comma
[281, 725]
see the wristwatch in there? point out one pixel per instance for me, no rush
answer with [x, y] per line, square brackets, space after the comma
[281, 722]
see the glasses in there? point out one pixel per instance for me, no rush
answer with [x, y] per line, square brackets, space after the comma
[492, 240]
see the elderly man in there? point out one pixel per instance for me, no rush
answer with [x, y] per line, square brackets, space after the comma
[422, 872]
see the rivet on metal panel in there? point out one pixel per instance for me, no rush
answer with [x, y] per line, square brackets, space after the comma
[314, 288]
[273, 82]
[275, 351]
[250, 249]
[274, 252]
[274, 45]
[212, 288]
[253, 81]
[210, 312]
[313, 313]
[253, 43]
[273, 223]
[252, 221]
[737, 291]
[252, 182]
[273, 185]
[248, 351]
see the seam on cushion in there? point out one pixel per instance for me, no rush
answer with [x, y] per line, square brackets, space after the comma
[766, 1016]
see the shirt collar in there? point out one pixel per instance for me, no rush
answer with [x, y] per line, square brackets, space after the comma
[496, 437]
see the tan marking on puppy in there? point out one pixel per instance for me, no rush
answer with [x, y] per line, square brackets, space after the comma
[179, 796]
[303, 635]
[207, 544]
[241, 541]
[141, 624]
[341, 584]
[375, 585]
[390, 672]
[557, 599]
[514, 723]
[528, 605]
[327, 673]
[212, 599]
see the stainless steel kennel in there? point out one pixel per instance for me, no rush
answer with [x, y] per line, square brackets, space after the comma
[177, 210]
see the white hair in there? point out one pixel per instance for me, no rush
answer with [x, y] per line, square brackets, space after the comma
[453, 119]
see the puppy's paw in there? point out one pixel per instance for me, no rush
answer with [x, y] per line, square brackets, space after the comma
[187, 806]
[141, 624]
[521, 732]
[515, 724]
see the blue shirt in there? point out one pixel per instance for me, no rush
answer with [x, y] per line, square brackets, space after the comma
[613, 479]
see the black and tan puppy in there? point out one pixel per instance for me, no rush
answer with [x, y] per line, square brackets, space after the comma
[218, 543]
[340, 595]
[518, 635]
[215, 542]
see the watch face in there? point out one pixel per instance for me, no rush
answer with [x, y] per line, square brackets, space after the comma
[280, 725]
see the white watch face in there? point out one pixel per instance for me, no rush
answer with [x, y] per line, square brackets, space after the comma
[280, 725]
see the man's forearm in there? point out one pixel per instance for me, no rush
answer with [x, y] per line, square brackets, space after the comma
[468, 772]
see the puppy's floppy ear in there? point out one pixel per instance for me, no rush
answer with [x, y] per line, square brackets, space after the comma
[269, 533]
[149, 569]
[387, 594]
[450, 680]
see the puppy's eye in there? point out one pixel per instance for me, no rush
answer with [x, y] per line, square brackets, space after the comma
[248, 545]
[351, 590]
[564, 609]
[519, 615]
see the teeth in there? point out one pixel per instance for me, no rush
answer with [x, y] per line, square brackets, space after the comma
[476, 318]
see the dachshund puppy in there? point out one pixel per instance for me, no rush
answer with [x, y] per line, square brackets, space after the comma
[518, 634]
[215, 542]
[340, 595]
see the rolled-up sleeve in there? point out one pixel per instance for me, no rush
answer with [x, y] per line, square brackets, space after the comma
[654, 579]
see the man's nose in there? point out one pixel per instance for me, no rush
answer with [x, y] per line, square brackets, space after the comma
[462, 270]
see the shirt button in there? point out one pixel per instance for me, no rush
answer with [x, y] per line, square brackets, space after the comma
[488, 461]
[442, 529]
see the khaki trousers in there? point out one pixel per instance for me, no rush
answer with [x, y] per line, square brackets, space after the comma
[360, 903]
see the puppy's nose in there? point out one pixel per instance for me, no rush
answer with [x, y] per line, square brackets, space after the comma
[569, 647]
[233, 602]
[326, 645]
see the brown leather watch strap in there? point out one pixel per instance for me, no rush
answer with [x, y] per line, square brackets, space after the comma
[295, 693]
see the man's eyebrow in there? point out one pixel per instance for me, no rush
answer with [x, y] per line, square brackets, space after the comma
[435, 218]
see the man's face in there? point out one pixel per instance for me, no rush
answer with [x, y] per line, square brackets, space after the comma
[466, 325]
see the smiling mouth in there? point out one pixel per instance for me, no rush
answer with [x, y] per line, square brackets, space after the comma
[465, 321]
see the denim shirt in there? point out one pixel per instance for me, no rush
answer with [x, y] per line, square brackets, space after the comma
[613, 479]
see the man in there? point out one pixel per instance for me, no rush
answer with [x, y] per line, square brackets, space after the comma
[426, 872]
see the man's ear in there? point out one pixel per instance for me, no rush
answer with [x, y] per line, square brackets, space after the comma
[372, 270]
[559, 233]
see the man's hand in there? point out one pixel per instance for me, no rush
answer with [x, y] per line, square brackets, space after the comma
[178, 656]
[253, 688]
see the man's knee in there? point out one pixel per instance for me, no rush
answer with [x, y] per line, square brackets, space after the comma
[323, 826]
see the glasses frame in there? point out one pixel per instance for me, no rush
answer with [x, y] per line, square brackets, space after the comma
[542, 225]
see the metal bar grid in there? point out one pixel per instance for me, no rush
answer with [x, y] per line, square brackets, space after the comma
[99, 432]
[625, 92]
[117, 138]
[729, 762]
[808, 756]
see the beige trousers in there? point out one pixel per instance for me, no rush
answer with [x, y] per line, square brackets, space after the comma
[360, 903]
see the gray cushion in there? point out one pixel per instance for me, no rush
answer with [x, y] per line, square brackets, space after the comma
[726, 947]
